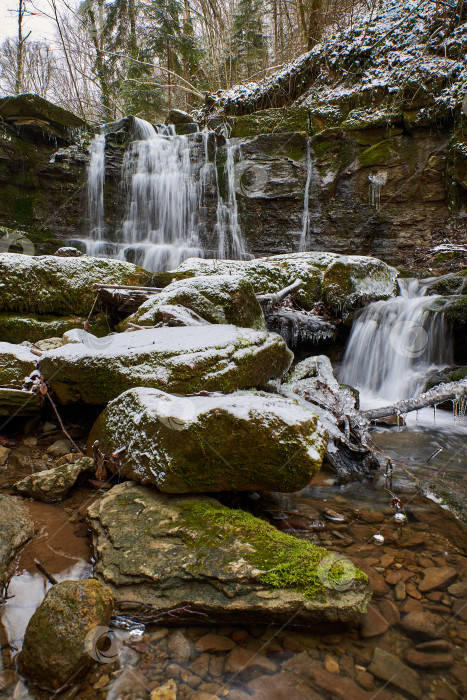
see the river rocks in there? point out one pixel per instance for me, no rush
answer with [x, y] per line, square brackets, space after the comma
[52, 485]
[181, 360]
[436, 577]
[425, 625]
[343, 282]
[217, 299]
[167, 552]
[242, 441]
[16, 528]
[390, 669]
[428, 661]
[16, 402]
[59, 448]
[16, 363]
[62, 286]
[59, 644]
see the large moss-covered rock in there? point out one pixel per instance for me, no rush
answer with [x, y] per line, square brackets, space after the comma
[15, 328]
[16, 363]
[30, 111]
[167, 552]
[62, 286]
[58, 645]
[54, 484]
[177, 360]
[217, 299]
[16, 528]
[242, 441]
[344, 282]
[353, 281]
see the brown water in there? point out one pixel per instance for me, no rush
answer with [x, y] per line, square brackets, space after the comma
[244, 662]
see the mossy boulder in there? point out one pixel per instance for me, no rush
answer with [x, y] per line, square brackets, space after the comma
[217, 299]
[46, 284]
[178, 360]
[342, 281]
[354, 281]
[52, 485]
[229, 442]
[15, 328]
[16, 528]
[59, 644]
[16, 363]
[30, 111]
[455, 311]
[171, 552]
[454, 283]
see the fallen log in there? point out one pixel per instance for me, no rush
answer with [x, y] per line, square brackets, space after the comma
[122, 301]
[453, 391]
[277, 297]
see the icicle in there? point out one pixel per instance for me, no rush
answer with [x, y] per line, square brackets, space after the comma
[376, 183]
[306, 197]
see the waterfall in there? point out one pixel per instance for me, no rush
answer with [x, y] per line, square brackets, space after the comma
[311, 190]
[394, 344]
[306, 197]
[165, 179]
[96, 177]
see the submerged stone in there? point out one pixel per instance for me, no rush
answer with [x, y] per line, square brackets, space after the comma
[217, 299]
[64, 286]
[16, 363]
[65, 634]
[242, 441]
[169, 552]
[52, 485]
[178, 360]
[16, 528]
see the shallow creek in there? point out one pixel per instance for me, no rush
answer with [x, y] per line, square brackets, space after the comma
[241, 662]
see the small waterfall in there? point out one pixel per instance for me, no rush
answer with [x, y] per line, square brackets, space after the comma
[311, 190]
[96, 177]
[165, 179]
[395, 343]
[306, 198]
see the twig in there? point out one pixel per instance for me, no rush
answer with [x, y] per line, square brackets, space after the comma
[51, 579]
[62, 426]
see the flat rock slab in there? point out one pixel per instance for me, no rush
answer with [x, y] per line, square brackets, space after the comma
[177, 360]
[16, 363]
[52, 485]
[389, 668]
[64, 286]
[437, 577]
[164, 552]
[243, 441]
[16, 528]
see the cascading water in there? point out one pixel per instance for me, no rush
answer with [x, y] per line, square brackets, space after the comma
[395, 344]
[311, 188]
[165, 178]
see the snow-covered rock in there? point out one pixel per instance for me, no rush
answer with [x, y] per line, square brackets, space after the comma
[16, 363]
[178, 360]
[242, 441]
[191, 552]
[64, 286]
[217, 299]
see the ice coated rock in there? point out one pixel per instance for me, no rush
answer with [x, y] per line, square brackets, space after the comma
[16, 363]
[176, 552]
[63, 286]
[243, 441]
[343, 282]
[16, 528]
[65, 634]
[217, 299]
[178, 360]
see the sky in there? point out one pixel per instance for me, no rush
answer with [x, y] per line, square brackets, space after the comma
[41, 27]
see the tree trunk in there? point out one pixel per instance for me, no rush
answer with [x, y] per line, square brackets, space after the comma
[443, 392]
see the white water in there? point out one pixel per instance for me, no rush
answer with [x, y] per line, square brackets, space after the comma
[395, 345]
[165, 180]
[310, 219]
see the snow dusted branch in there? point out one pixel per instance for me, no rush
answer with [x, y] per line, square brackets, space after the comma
[277, 297]
[443, 392]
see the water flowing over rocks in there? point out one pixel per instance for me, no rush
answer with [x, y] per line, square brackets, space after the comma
[156, 552]
[241, 441]
[16, 528]
[217, 299]
[62, 286]
[179, 360]
[59, 646]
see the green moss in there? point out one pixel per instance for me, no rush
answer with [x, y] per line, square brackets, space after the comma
[269, 121]
[284, 561]
[379, 154]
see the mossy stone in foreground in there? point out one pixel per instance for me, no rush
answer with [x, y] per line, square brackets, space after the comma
[16, 528]
[56, 643]
[15, 328]
[245, 441]
[16, 363]
[169, 552]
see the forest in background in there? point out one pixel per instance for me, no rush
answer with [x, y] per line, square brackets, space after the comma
[141, 57]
